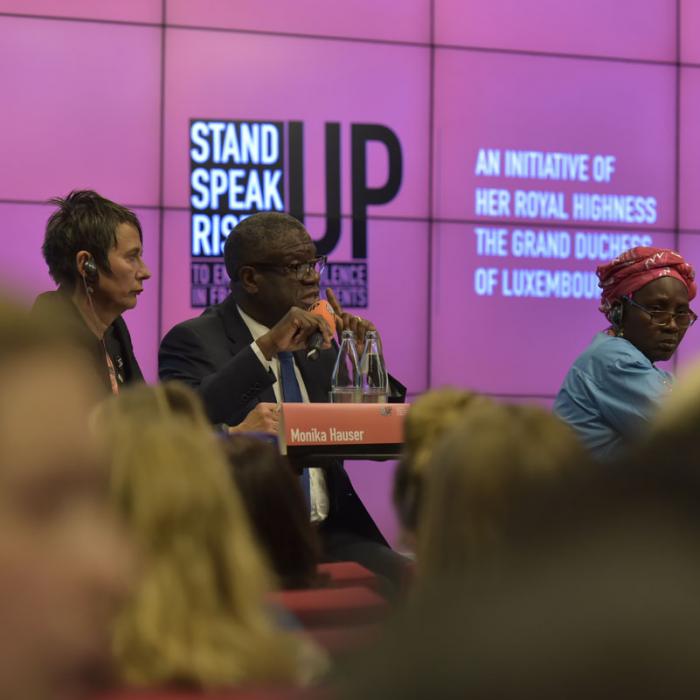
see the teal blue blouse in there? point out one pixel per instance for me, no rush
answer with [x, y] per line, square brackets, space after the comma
[610, 393]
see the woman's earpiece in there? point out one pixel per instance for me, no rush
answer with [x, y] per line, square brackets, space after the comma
[89, 274]
[89, 271]
[616, 316]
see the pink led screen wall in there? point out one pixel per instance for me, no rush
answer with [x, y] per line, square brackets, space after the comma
[547, 196]
[464, 163]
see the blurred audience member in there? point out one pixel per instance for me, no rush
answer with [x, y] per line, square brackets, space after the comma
[596, 596]
[677, 421]
[198, 616]
[278, 512]
[428, 419]
[93, 249]
[670, 449]
[64, 565]
[476, 475]
[614, 388]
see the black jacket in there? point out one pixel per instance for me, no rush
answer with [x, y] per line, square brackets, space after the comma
[212, 353]
[117, 338]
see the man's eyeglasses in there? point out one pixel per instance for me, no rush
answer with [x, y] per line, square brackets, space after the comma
[299, 270]
[683, 319]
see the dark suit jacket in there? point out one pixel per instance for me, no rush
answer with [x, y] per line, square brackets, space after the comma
[212, 353]
[58, 303]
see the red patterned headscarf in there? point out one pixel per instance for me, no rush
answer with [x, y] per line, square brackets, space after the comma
[636, 267]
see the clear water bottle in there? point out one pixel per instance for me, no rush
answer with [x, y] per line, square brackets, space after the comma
[374, 379]
[345, 380]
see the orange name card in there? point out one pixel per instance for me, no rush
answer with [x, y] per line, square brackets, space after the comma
[341, 424]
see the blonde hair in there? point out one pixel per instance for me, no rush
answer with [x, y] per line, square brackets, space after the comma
[476, 475]
[680, 408]
[431, 415]
[197, 615]
[428, 419]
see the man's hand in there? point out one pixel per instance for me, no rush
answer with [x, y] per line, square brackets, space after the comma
[345, 321]
[292, 333]
[264, 418]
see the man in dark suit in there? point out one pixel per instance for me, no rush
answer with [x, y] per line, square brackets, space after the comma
[93, 250]
[236, 352]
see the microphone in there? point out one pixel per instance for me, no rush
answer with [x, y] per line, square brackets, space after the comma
[323, 309]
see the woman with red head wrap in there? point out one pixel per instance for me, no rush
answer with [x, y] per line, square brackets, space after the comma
[614, 387]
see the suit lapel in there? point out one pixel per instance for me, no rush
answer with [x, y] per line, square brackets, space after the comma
[239, 336]
[236, 331]
[315, 373]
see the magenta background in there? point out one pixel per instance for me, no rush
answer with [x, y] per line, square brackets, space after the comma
[689, 32]
[287, 71]
[80, 109]
[526, 344]
[89, 102]
[689, 194]
[600, 108]
[689, 351]
[149, 11]
[615, 28]
[408, 20]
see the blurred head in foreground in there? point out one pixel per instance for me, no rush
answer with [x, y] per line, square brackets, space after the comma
[596, 597]
[431, 416]
[477, 475]
[64, 565]
[278, 512]
[197, 616]
[673, 438]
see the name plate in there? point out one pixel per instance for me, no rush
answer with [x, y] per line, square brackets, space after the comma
[338, 424]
